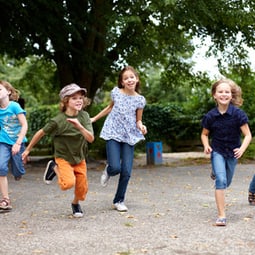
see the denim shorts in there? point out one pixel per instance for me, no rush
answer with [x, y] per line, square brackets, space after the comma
[15, 161]
[223, 168]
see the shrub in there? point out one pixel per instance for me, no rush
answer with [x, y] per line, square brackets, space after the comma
[171, 125]
[37, 117]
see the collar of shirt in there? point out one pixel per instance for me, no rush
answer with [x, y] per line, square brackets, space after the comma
[229, 110]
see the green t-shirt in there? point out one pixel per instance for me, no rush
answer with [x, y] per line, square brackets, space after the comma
[69, 143]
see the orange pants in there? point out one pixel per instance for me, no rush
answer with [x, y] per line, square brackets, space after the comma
[73, 176]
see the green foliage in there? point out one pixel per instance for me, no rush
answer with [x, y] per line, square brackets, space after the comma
[39, 83]
[244, 77]
[230, 25]
[97, 148]
[86, 40]
[170, 124]
[34, 77]
[37, 118]
[250, 152]
[198, 97]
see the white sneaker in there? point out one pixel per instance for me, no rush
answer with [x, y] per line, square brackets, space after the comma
[120, 206]
[105, 177]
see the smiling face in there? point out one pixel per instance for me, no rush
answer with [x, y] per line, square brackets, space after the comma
[75, 102]
[222, 94]
[129, 80]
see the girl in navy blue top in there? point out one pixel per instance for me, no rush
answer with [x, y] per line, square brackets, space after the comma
[224, 125]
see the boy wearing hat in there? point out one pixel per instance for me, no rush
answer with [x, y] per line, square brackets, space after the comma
[71, 129]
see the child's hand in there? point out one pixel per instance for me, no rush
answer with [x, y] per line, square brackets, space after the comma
[24, 156]
[144, 129]
[141, 127]
[207, 149]
[238, 153]
[92, 120]
[75, 122]
[15, 149]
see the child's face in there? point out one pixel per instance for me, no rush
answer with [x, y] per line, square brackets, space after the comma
[75, 102]
[4, 93]
[223, 94]
[129, 80]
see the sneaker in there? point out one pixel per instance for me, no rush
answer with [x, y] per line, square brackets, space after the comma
[77, 211]
[105, 177]
[49, 173]
[120, 206]
[221, 222]
[213, 176]
[17, 178]
[251, 198]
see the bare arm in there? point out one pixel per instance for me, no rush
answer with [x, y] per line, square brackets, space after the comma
[103, 113]
[35, 139]
[246, 141]
[23, 122]
[139, 123]
[205, 141]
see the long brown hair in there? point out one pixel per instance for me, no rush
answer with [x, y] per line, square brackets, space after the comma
[129, 68]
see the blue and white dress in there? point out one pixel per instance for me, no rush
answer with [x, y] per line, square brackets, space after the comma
[120, 124]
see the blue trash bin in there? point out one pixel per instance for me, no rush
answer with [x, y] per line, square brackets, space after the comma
[154, 153]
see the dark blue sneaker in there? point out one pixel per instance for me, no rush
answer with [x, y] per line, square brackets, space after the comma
[17, 178]
[49, 173]
[77, 211]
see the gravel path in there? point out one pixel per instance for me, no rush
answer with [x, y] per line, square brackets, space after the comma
[171, 211]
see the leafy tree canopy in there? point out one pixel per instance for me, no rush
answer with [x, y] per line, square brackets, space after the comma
[230, 24]
[87, 40]
[33, 76]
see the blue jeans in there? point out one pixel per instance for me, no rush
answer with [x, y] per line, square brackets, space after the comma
[223, 168]
[120, 161]
[6, 157]
[252, 185]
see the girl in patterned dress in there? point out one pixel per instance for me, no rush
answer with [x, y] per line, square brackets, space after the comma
[122, 129]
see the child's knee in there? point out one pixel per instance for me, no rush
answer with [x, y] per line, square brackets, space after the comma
[114, 170]
[221, 184]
